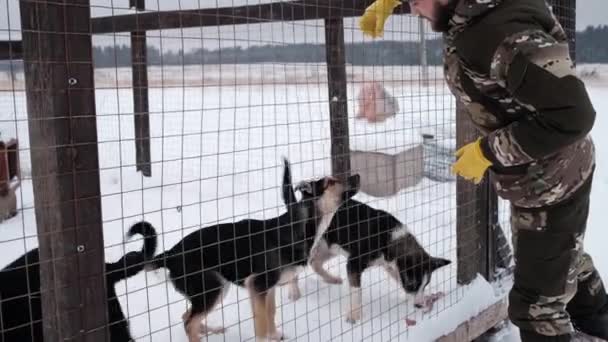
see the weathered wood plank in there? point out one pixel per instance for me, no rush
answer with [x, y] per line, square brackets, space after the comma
[494, 234]
[11, 50]
[58, 65]
[338, 109]
[472, 211]
[278, 11]
[14, 166]
[141, 115]
[478, 325]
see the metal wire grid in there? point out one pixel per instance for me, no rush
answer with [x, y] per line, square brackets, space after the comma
[217, 133]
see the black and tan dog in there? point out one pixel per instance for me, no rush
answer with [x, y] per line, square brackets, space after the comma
[21, 307]
[370, 237]
[256, 254]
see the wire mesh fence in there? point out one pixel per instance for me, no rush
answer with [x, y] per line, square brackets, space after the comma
[178, 114]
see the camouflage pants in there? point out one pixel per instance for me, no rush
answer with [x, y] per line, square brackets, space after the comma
[556, 284]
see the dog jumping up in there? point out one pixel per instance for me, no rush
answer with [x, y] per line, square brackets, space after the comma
[370, 237]
[256, 254]
[20, 302]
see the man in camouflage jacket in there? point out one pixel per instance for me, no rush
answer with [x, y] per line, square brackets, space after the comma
[508, 64]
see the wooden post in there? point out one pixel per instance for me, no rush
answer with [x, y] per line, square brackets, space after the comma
[423, 55]
[58, 64]
[14, 166]
[338, 109]
[10, 50]
[476, 326]
[9, 164]
[472, 213]
[4, 171]
[493, 233]
[139, 66]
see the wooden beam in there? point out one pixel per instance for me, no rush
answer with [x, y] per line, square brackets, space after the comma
[138, 4]
[423, 51]
[60, 92]
[14, 167]
[471, 212]
[478, 325]
[141, 115]
[11, 50]
[493, 233]
[263, 13]
[4, 172]
[338, 109]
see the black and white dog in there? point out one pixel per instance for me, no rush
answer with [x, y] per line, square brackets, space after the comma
[20, 302]
[371, 237]
[256, 254]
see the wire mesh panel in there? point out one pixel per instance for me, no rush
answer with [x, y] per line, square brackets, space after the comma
[171, 119]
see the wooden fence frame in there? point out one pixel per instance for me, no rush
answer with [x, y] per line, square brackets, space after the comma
[60, 89]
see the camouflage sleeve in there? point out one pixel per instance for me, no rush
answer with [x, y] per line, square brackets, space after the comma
[537, 71]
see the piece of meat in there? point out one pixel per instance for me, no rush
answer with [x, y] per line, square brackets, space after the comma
[429, 301]
[409, 322]
[375, 103]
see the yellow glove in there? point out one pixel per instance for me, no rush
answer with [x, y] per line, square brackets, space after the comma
[372, 21]
[471, 163]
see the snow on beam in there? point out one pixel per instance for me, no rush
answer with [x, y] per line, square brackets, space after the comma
[478, 325]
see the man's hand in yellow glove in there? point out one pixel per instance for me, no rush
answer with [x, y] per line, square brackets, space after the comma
[471, 163]
[372, 21]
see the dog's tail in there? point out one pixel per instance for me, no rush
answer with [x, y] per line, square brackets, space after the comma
[146, 230]
[133, 262]
[289, 196]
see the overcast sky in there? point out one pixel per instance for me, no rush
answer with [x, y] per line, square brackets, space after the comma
[589, 12]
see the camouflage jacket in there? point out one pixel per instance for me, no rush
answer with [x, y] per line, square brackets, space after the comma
[507, 62]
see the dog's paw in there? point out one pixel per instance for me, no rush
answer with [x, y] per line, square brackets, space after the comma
[277, 336]
[207, 330]
[353, 316]
[333, 280]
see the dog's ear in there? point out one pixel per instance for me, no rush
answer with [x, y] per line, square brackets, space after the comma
[439, 263]
[289, 196]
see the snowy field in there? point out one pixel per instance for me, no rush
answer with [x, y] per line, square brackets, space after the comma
[216, 153]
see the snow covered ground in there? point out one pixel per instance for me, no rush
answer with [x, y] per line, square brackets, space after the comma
[216, 153]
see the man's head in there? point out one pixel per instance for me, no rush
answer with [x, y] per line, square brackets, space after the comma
[437, 12]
